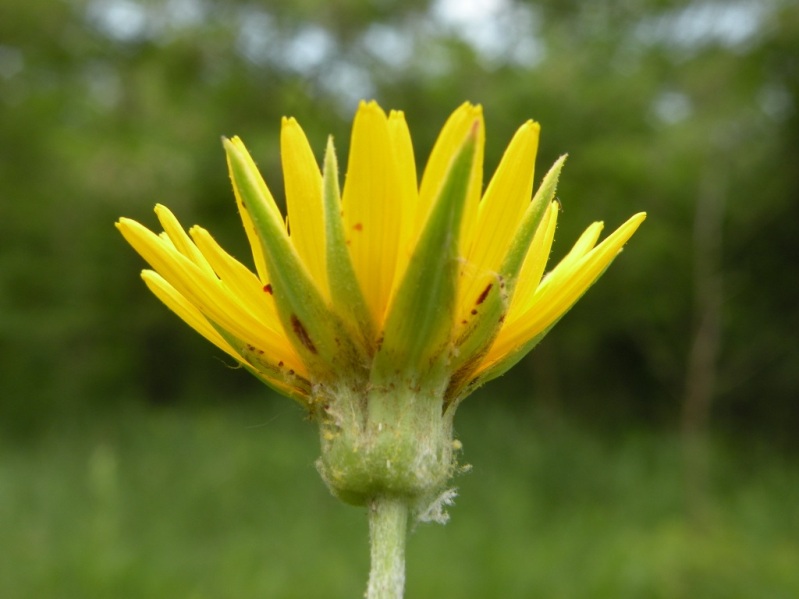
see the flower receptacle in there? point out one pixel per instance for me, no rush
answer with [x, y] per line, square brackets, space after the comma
[393, 440]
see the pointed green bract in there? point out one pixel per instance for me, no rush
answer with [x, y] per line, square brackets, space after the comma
[492, 304]
[419, 322]
[479, 332]
[512, 263]
[509, 361]
[313, 329]
[344, 289]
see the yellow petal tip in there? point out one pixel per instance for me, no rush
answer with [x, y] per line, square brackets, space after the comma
[531, 125]
[635, 221]
[369, 106]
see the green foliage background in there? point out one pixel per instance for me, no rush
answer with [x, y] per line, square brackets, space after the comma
[688, 110]
[112, 105]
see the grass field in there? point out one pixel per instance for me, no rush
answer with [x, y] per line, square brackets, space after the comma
[225, 503]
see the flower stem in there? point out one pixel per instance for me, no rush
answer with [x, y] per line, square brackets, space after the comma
[388, 523]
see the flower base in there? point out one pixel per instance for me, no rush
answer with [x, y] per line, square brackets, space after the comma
[393, 441]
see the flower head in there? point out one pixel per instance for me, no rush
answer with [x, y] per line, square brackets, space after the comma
[380, 307]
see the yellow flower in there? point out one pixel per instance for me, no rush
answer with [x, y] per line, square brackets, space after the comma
[392, 288]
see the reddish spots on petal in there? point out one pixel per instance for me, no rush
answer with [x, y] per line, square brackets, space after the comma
[474, 312]
[268, 288]
[302, 334]
[482, 297]
[358, 226]
[280, 364]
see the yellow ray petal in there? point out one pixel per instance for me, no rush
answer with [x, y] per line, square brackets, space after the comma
[585, 243]
[569, 281]
[194, 318]
[499, 213]
[506, 198]
[409, 196]
[567, 287]
[179, 238]
[303, 183]
[209, 294]
[444, 151]
[534, 263]
[239, 279]
[372, 209]
[187, 311]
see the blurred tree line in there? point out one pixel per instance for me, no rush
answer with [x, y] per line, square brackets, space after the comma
[687, 110]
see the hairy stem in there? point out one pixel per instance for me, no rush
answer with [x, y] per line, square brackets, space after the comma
[388, 524]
